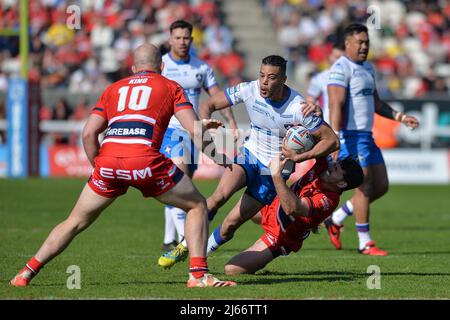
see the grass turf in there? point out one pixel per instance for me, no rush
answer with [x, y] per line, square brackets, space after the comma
[118, 254]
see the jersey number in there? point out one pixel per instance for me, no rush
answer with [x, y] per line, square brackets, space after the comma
[138, 98]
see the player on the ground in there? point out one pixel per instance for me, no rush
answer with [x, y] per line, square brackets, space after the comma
[135, 112]
[296, 210]
[353, 100]
[273, 108]
[317, 90]
[193, 75]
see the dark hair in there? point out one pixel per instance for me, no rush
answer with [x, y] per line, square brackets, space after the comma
[181, 24]
[276, 61]
[354, 28]
[353, 173]
[339, 45]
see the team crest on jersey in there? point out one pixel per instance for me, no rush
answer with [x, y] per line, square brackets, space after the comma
[199, 77]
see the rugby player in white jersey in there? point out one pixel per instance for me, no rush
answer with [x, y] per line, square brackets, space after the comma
[317, 89]
[273, 108]
[353, 100]
[193, 75]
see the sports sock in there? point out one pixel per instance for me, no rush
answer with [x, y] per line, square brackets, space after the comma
[215, 240]
[363, 234]
[198, 266]
[178, 217]
[34, 265]
[31, 269]
[169, 226]
[211, 214]
[342, 213]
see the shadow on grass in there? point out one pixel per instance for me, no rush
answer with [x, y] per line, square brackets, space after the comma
[270, 277]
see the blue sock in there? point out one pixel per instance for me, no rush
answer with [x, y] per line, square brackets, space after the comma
[215, 240]
[211, 214]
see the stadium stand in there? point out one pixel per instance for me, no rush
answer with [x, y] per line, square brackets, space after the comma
[411, 49]
[74, 66]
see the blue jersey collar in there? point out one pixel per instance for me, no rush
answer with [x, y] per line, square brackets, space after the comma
[180, 61]
[279, 104]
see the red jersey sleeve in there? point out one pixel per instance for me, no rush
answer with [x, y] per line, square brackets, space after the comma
[181, 101]
[100, 106]
[321, 205]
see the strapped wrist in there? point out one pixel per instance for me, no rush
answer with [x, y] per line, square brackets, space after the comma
[400, 116]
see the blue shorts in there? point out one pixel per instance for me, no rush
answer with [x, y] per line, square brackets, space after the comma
[178, 144]
[259, 180]
[360, 145]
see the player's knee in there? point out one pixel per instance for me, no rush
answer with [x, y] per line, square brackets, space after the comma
[218, 199]
[75, 225]
[381, 190]
[197, 202]
[231, 269]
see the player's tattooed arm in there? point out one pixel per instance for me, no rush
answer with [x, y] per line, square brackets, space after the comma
[385, 110]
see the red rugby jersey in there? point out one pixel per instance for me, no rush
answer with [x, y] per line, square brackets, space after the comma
[138, 110]
[321, 203]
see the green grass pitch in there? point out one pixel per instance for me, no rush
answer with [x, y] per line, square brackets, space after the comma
[117, 255]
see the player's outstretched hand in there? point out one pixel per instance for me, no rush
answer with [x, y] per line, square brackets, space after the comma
[211, 124]
[307, 108]
[410, 121]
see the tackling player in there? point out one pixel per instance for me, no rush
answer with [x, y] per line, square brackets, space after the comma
[192, 74]
[353, 101]
[273, 107]
[296, 210]
[135, 112]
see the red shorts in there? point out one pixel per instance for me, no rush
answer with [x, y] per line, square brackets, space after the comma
[279, 241]
[112, 176]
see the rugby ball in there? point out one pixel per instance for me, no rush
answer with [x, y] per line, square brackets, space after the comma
[299, 139]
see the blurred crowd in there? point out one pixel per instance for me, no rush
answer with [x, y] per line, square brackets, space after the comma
[85, 60]
[410, 49]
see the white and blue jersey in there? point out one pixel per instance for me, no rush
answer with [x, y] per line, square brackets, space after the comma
[359, 110]
[269, 122]
[193, 75]
[318, 89]
[359, 80]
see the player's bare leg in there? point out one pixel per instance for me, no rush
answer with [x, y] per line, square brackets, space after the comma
[374, 186]
[244, 210]
[251, 260]
[86, 211]
[175, 217]
[230, 182]
[186, 196]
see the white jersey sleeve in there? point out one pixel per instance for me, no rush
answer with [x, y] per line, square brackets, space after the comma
[310, 122]
[339, 75]
[239, 93]
[210, 80]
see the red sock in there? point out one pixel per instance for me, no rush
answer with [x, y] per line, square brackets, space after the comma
[198, 266]
[34, 265]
